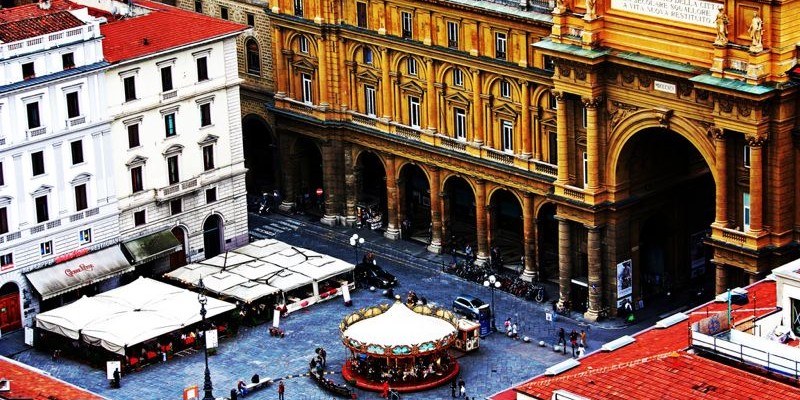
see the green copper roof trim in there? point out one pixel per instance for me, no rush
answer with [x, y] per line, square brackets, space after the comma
[572, 49]
[732, 84]
[659, 62]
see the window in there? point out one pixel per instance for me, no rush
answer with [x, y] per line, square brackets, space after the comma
[298, 8]
[198, 6]
[169, 125]
[747, 156]
[413, 111]
[253, 58]
[81, 200]
[458, 77]
[746, 211]
[2, 176]
[795, 314]
[553, 102]
[166, 79]
[37, 163]
[552, 146]
[361, 14]
[369, 100]
[500, 46]
[133, 136]
[173, 173]
[507, 132]
[68, 61]
[452, 35]
[223, 12]
[585, 170]
[41, 209]
[137, 184]
[6, 261]
[77, 151]
[307, 98]
[584, 117]
[130, 88]
[460, 123]
[211, 195]
[303, 44]
[46, 248]
[73, 106]
[407, 25]
[138, 218]
[205, 114]
[367, 55]
[32, 110]
[28, 72]
[202, 69]
[549, 63]
[85, 236]
[175, 207]
[505, 89]
[208, 157]
[4, 220]
[412, 66]
[251, 19]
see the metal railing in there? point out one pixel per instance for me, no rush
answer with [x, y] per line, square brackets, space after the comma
[747, 354]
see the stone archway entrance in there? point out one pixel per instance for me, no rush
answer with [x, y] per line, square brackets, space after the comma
[371, 187]
[261, 156]
[10, 318]
[547, 228]
[506, 227]
[212, 236]
[416, 202]
[178, 258]
[308, 177]
[460, 213]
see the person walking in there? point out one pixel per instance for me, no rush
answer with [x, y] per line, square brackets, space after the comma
[573, 339]
[462, 388]
[116, 378]
[281, 390]
[385, 388]
[323, 356]
[583, 338]
[562, 341]
[453, 389]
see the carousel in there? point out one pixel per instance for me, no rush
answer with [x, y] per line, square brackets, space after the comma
[406, 347]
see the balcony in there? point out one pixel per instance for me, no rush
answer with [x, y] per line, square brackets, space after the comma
[545, 168]
[499, 156]
[166, 96]
[73, 122]
[176, 190]
[34, 132]
[453, 144]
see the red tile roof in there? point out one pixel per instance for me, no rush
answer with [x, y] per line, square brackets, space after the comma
[27, 383]
[164, 28]
[32, 10]
[38, 26]
[659, 366]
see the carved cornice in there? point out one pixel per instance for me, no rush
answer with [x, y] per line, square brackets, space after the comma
[756, 140]
[617, 111]
[592, 102]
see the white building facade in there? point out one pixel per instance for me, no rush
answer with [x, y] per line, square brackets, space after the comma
[57, 192]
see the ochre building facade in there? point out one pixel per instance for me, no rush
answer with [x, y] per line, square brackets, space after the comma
[625, 148]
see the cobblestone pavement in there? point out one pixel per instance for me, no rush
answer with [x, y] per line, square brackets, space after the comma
[498, 364]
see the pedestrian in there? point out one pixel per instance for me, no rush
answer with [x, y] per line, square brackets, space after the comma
[581, 350]
[583, 338]
[462, 387]
[385, 393]
[562, 341]
[507, 325]
[116, 378]
[323, 356]
[281, 389]
[573, 339]
[514, 332]
[453, 388]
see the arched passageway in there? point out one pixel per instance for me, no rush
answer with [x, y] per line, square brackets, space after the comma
[10, 318]
[212, 236]
[460, 225]
[506, 228]
[309, 185]
[416, 202]
[371, 187]
[547, 244]
[261, 156]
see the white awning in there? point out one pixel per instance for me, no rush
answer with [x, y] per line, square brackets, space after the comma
[73, 274]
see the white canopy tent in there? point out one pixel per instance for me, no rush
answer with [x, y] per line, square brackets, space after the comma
[398, 326]
[129, 315]
[260, 269]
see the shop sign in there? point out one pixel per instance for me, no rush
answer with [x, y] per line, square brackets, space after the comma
[71, 272]
[696, 12]
[665, 87]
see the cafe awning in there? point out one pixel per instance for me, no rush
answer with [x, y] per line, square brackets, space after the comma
[78, 272]
[152, 246]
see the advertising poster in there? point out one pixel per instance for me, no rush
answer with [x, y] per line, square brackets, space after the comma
[624, 281]
[212, 340]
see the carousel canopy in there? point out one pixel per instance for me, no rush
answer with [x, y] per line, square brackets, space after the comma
[398, 326]
[260, 269]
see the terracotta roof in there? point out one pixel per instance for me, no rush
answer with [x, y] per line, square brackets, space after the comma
[29, 383]
[21, 29]
[32, 10]
[164, 28]
[659, 366]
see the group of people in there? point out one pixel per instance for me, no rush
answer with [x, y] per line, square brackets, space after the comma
[377, 370]
[319, 361]
[511, 328]
[576, 340]
[460, 390]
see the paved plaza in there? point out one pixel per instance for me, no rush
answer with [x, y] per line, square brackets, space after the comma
[498, 364]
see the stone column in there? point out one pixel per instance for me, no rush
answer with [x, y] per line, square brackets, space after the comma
[592, 142]
[721, 216]
[392, 230]
[564, 264]
[322, 67]
[756, 182]
[436, 212]
[329, 183]
[529, 273]
[595, 257]
[526, 119]
[480, 221]
[477, 108]
[721, 277]
[344, 84]
[277, 40]
[289, 170]
[562, 140]
[386, 85]
[350, 185]
[430, 97]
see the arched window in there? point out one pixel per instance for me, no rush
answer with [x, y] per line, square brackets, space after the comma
[253, 58]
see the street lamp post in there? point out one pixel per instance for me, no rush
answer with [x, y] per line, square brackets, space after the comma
[492, 283]
[203, 300]
[356, 242]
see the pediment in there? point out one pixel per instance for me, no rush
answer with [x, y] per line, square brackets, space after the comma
[81, 178]
[505, 109]
[42, 190]
[457, 98]
[412, 87]
[136, 160]
[367, 75]
[175, 148]
[304, 64]
[5, 201]
[209, 139]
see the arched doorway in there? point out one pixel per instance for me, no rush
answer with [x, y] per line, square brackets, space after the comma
[460, 212]
[10, 318]
[671, 190]
[308, 166]
[178, 258]
[261, 156]
[547, 232]
[371, 185]
[506, 226]
[212, 236]
[416, 201]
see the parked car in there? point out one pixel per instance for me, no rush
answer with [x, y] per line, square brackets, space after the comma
[471, 307]
[373, 275]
